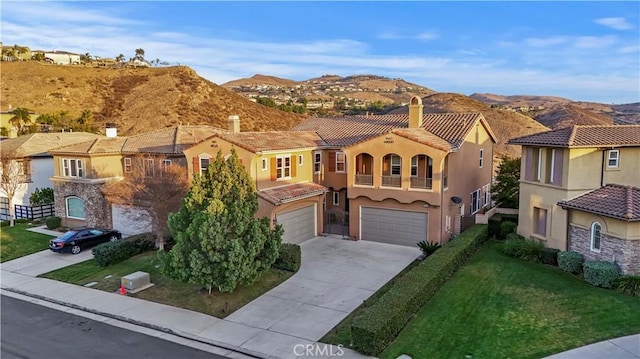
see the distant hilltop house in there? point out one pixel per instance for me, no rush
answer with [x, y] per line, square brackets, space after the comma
[60, 57]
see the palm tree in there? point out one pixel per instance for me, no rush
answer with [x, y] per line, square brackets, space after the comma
[20, 117]
[120, 58]
[140, 54]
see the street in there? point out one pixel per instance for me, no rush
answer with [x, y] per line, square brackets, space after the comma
[31, 331]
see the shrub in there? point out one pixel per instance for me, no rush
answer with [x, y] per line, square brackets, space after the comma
[494, 226]
[428, 248]
[289, 257]
[570, 261]
[506, 228]
[549, 256]
[113, 252]
[629, 284]
[518, 247]
[53, 222]
[375, 327]
[601, 273]
[41, 196]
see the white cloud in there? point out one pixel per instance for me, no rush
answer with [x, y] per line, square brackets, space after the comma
[423, 36]
[546, 42]
[616, 23]
[594, 42]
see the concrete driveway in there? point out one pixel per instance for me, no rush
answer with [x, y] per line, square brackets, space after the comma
[335, 278]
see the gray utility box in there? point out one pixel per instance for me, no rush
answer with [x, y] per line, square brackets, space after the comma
[137, 280]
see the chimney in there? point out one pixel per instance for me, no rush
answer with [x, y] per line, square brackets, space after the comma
[415, 112]
[111, 130]
[234, 124]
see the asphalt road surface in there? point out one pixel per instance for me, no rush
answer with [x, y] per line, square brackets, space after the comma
[31, 331]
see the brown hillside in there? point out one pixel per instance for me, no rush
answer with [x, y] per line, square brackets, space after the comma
[567, 115]
[260, 80]
[136, 99]
[505, 124]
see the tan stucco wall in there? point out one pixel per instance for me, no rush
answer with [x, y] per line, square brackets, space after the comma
[586, 166]
[628, 171]
[611, 226]
[105, 166]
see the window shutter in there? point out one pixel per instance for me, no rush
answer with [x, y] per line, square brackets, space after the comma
[557, 168]
[274, 170]
[528, 164]
[332, 161]
[196, 165]
[294, 166]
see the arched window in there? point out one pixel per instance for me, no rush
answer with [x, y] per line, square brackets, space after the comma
[595, 236]
[75, 207]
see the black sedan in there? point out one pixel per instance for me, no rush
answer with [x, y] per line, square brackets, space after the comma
[75, 240]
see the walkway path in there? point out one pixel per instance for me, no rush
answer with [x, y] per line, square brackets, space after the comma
[620, 348]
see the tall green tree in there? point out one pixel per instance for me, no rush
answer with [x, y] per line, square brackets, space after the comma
[506, 190]
[21, 117]
[219, 242]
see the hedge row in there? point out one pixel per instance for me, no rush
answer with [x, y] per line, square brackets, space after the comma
[378, 325]
[113, 252]
[289, 257]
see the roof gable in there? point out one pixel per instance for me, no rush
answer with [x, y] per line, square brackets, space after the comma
[612, 200]
[39, 144]
[584, 136]
[274, 141]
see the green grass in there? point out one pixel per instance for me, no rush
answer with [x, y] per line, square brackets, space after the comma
[18, 242]
[501, 307]
[167, 290]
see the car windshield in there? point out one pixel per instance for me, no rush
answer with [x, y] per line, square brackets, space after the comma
[67, 235]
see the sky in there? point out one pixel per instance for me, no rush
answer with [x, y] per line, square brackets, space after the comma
[583, 51]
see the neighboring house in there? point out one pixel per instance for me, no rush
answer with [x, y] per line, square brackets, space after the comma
[31, 151]
[82, 170]
[61, 57]
[560, 166]
[5, 121]
[404, 178]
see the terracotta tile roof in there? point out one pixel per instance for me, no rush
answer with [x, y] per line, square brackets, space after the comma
[291, 193]
[424, 137]
[170, 140]
[349, 130]
[39, 144]
[612, 200]
[274, 141]
[584, 136]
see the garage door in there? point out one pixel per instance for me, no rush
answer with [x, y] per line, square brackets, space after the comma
[299, 225]
[393, 226]
[129, 220]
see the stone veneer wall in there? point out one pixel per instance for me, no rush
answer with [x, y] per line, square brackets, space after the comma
[97, 210]
[626, 253]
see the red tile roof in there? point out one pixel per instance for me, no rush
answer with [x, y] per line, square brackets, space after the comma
[291, 193]
[39, 144]
[584, 136]
[612, 200]
[424, 137]
[274, 141]
[349, 130]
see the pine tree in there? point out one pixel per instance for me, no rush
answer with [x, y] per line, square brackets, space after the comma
[219, 242]
[507, 188]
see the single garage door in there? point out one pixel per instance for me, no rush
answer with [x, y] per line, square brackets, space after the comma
[129, 220]
[299, 224]
[393, 226]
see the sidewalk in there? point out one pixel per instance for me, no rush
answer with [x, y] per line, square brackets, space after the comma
[620, 348]
[44, 230]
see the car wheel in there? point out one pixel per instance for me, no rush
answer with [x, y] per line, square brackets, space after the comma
[113, 238]
[75, 249]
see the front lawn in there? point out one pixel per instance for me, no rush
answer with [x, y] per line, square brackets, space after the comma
[167, 290]
[18, 242]
[501, 307]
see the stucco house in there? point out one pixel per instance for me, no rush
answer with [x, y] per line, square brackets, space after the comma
[31, 152]
[566, 167]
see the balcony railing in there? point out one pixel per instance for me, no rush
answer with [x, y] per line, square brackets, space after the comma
[421, 182]
[392, 181]
[364, 179]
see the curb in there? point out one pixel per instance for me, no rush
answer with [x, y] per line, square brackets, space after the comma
[178, 333]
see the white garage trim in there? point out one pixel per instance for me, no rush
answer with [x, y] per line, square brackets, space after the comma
[395, 226]
[297, 223]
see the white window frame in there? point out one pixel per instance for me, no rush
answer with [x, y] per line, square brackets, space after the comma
[399, 165]
[149, 163]
[487, 195]
[592, 237]
[317, 162]
[265, 164]
[481, 157]
[282, 167]
[342, 162]
[66, 207]
[166, 163]
[67, 168]
[336, 198]
[552, 164]
[128, 165]
[204, 157]
[300, 160]
[448, 223]
[414, 165]
[539, 172]
[475, 205]
[615, 158]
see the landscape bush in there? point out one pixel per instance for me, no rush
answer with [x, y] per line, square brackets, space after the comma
[518, 247]
[493, 226]
[289, 257]
[507, 227]
[549, 256]
[601, 273]
[375, 327]
[628, 284]
[113, 252]
[428, 248]
[53, 222]
[570, 261]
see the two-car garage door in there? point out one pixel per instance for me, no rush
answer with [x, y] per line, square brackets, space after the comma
[393, 226]
[299, 224]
